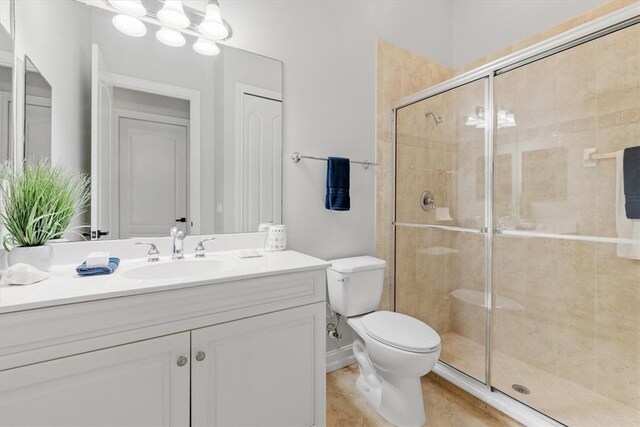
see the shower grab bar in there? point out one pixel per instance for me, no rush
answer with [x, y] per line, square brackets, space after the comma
[296, 157]
[441, 227]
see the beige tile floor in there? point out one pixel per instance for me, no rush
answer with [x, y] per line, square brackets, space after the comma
[446, 405]
[561, 399]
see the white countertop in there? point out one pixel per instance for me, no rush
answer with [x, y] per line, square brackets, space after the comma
[65, 287]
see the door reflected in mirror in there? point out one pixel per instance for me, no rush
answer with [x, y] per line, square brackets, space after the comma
[169, 136]
[37, 115]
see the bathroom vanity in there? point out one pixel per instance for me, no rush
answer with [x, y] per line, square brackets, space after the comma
[222, 341]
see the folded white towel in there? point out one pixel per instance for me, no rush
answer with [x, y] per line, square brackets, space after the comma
[626, 228]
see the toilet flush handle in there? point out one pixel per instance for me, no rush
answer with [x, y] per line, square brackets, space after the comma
[343, 279]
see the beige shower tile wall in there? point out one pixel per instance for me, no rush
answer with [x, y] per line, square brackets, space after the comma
[399, 74]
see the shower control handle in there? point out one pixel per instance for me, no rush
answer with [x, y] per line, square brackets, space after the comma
[427, 201]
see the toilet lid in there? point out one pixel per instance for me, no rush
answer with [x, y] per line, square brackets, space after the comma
[401, 331]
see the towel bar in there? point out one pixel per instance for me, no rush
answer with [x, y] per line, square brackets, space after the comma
[296, 157]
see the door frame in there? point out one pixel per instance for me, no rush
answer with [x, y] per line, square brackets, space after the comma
[194, 192]
[242, 89]
[123, 113]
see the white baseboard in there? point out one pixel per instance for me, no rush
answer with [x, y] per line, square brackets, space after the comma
[340, 358]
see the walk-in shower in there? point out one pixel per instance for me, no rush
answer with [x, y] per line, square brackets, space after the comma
[525, 279]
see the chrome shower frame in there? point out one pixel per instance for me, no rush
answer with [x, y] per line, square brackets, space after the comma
[623, 18]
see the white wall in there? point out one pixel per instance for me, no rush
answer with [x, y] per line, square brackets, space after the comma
[328, 50]
[480, 28]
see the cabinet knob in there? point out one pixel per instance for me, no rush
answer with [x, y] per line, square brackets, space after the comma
[200, 356]
[182, 360]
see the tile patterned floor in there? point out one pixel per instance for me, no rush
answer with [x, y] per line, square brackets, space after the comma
[563, 400]
[445, 406]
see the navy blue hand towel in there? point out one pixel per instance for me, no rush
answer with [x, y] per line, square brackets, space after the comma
[83, 270]
[337, 198]
[631, 173]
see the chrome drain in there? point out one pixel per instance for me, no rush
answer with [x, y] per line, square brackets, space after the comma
[521, 389]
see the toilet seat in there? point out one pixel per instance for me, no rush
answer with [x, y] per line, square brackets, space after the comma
[401, 331]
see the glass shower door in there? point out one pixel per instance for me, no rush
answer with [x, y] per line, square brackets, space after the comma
[566, 318]
[440, 221]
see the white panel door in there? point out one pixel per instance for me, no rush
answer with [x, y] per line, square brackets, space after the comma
[138, 384]
[153, 177]
[102, 181]
[261, 371]
[261, 159]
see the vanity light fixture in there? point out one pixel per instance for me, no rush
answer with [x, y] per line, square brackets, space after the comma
[132, 16]
[206, 47]
[130, 7]
[129, 25]
[212, 26]
[170, 37]
[172, 14]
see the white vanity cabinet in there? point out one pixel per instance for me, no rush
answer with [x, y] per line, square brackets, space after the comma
[137, 384]
[239, 353]
[258, 371]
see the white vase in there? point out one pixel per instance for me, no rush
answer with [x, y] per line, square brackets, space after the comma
[41, 257]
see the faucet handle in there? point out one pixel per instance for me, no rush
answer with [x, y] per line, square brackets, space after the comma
[200, 249]
[153, 254]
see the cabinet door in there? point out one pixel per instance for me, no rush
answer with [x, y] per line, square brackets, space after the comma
[262, 371]
[137, 384]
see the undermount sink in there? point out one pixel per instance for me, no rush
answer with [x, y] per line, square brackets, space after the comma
[179, 269]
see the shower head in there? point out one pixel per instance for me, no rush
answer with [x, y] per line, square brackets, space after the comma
[436, 117]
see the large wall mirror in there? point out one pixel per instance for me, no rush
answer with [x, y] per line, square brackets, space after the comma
[170, 137]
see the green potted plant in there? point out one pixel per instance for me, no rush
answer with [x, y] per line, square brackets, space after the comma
[38, 204]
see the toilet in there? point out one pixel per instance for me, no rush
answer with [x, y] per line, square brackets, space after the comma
[393, 350]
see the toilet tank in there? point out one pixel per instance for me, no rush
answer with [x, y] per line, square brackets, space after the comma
[355, 284]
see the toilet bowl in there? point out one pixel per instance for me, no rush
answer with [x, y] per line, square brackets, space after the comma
[393, 350]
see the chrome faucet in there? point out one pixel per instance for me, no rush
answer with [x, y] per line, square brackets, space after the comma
[177, 251]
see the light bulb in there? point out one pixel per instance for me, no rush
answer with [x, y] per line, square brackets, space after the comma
[212, 25]
[130, 7]
[129, 25]
[170, 37]
[172, 14]
[206, 47]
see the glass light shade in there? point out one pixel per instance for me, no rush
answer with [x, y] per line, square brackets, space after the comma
[129, 25]
[212, 25]
[172, 14]
[206, 47]
[130, 7]
[170, 37]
